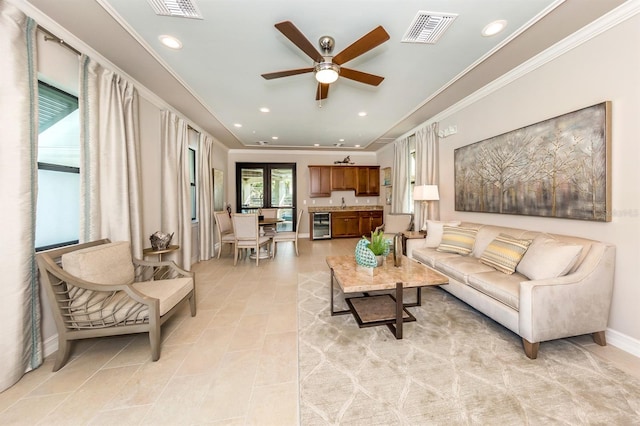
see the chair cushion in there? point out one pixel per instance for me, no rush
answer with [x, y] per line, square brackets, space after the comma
[103, 264]
[228, 238]
[284, 236]
[169, 292]
[504, 253]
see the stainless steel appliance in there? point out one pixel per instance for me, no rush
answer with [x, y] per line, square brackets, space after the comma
[321, 226]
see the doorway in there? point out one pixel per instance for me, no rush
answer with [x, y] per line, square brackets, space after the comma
[268, 185]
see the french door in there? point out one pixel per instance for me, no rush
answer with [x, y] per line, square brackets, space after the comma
[268, 185]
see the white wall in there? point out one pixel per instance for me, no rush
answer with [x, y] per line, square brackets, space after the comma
[606, 67]
[303, 159]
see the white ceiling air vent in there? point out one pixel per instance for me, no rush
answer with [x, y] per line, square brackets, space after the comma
[428, 27]
[181, 8]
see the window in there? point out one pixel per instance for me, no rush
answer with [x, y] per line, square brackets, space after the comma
[58, 205]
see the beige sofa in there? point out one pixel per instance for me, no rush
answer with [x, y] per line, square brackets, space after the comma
[544, 299]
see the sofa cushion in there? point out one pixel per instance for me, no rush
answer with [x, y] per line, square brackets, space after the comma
[102, 264]
[504, 253]
[502, 287]
[435, 228]
[548, 258]
[460, 267]
[429, 256]
[456, 239]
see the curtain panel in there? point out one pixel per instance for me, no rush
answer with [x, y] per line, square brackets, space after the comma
[400, 177]
[176, 194]
[20, 341]
[427, 169]
[110, 174]
[205, 196]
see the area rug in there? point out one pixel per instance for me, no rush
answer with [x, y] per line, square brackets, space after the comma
[453, 366]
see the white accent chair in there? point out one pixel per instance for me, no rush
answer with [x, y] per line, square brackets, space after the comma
[396, 222]
[291, 236]
[246, 231]
[225, 230]
[96, 289]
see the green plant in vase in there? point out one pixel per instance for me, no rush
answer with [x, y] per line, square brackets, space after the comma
[378, 245]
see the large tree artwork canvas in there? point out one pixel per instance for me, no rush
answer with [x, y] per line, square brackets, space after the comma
[559, 167]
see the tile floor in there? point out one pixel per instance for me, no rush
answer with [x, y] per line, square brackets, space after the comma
[235, 363]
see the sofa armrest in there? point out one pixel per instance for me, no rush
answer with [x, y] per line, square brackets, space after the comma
[413, 244]
[571, 305]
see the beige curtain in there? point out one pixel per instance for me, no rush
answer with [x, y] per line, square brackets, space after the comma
[427, 169]
[176, 207]
[205, 196]
[110, 172]
[400, 177]
[20, 340]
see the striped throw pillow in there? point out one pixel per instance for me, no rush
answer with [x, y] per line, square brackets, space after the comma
[457, 240]
[504, 253]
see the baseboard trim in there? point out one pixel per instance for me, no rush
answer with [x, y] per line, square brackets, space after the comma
[623, 342]
[50, 345]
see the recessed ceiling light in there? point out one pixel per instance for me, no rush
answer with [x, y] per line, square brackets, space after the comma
[362, 114]
[340, 140]
[237, 124]
[316, 144]
[275, 138]
[170, 42]
[357, 146]
[494, 28]
[264, 109]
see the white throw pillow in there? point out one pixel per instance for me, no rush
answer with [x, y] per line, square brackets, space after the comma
[548, 258]
[434, 231]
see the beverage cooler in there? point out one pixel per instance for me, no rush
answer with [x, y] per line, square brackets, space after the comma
[321, 226]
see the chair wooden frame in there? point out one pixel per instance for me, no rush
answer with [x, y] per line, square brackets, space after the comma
[247, 233]
[286, 236]
[62, 288]
[225, 230]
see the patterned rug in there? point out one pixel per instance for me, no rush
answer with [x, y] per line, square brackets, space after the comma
[453, 366]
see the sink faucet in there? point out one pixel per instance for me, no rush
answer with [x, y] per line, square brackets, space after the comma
[343, 205]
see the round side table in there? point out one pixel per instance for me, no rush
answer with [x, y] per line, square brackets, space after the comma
[151, 252]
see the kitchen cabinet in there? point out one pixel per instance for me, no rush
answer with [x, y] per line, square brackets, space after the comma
[343, 178]
[369, 221]
[368, 181]
[319, 181]
[345, 224]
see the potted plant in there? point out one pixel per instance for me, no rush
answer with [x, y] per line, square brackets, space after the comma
[379, 245]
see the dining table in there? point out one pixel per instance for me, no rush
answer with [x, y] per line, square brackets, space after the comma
[264, 253]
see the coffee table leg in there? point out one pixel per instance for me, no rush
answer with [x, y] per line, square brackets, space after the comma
[334, 313]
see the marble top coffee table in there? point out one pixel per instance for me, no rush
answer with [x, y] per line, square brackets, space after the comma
[383, 309]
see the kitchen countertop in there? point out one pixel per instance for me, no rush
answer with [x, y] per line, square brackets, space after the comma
[365, 207]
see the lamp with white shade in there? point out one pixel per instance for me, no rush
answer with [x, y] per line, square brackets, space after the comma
[425, 193]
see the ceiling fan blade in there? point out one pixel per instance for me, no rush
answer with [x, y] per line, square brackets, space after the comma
[322, 91]
[278, 74]
[292, 33]
[373, 38]
[360, 76]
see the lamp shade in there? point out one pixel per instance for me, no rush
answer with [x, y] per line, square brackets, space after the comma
[426, 193]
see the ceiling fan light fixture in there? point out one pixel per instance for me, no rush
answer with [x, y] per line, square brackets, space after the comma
[327, 72]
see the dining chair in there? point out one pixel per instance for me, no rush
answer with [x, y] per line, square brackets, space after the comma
[247, 235]
[291, 236]
[271, 229]
[225, 230]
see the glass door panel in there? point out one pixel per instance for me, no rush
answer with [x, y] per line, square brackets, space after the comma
[282, 196]
[251, 189]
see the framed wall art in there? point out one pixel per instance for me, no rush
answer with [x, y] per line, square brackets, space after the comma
[560, 167]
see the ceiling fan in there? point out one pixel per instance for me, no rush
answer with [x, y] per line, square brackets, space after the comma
[328, 68]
